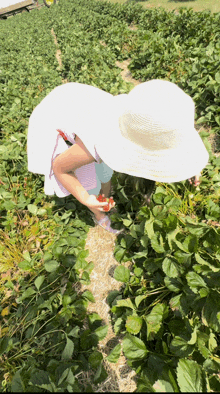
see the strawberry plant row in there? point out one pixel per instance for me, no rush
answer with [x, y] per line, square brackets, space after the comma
[169, 303]
[178, 47]
[85, 59]
[182, 48]
[43, 342]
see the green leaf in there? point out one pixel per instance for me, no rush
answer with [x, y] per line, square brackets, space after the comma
[66, 300]
[40, 377]
[149, 226]
[211, 366]
[127, 222]
[179, 303]
[191, 244]
[213, 210]
[197, 229]
[39, 281]
[134, 324]
[174, 204]
[203, 263]
[171, 237]
[144, 242]
[144, 384]
[122, 274]
[202, 340]
[25, 265]
[68, 350]
[47, 256]
[180, 347]
[183, 258]
[95, 359]
[114, 354]
[193, 338]
[3, 344]
[159, 198]
[139, 255]
[189, 377]
[173, 284]
[17, 385]
[171, 224]
[100, 375]
[180, 245]
[162, 386]
[74, 332]
[154, 319]
[66, 215]
[101, 332]
[139, 298]
[71, 380]
[33, 209]
[87, 341]
[210, 312]
[41, 211]
[212, 342]
[157, 243]
[27, 256]
[51, 266]
[27, 293]
[134, 348]
[119, 323]
[125, 303]
[217, 77]
[119, 253]
[195, 281]
[94, 321]
[88, 295]
[171, 268]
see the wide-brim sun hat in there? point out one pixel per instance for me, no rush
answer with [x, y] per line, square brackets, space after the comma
[150, 133]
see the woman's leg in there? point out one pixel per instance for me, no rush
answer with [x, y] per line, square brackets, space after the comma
[104, 174]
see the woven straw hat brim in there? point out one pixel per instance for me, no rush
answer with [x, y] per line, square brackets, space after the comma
[173, 164]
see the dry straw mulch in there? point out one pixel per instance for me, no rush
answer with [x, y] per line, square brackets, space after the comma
[100, 244]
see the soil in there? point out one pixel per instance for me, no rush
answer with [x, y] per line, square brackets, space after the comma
[126, 74]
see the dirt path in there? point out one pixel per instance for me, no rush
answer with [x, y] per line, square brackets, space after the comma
[101, 244]
[126, 74]
[58, 53]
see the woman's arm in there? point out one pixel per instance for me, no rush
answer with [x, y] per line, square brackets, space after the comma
[66, 163]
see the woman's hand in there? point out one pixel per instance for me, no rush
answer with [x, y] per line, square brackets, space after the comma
[95, 206]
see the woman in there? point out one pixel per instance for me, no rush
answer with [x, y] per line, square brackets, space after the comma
[146, 133]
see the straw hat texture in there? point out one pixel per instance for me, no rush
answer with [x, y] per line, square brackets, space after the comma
[149, 133]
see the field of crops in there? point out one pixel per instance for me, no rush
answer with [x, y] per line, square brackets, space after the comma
[168, 311]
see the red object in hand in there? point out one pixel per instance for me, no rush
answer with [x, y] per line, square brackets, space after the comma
[99, 198]
[103, 199]
[106, 208]
[62, 134]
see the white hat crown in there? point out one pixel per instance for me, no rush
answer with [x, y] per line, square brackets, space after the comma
[158, 114]
[152, 134]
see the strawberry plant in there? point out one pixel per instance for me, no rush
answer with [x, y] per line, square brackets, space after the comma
[179, 48]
